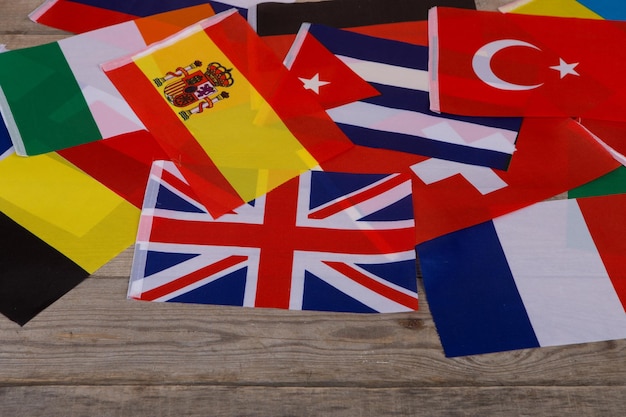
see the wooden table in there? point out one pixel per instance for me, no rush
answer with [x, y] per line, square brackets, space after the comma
[95, 353]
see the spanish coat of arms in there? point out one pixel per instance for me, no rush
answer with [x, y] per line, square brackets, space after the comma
[189, 86]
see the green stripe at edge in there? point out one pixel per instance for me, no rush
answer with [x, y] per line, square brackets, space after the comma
[612, 183]
[45, 100]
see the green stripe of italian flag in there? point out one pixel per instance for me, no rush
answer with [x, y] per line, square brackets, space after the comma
[42, 103]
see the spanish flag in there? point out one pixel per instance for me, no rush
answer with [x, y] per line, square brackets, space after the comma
[227, 111]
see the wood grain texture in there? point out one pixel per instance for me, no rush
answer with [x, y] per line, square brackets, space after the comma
[202, 401]
[95, 353]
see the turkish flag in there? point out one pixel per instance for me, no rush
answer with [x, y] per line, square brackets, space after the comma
[553, 156]
[331, 82]
[494, 64]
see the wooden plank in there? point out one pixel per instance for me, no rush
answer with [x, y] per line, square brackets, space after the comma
[94, 334]
[17, 41]
[202, 401]
[490, 4]
[18, 31]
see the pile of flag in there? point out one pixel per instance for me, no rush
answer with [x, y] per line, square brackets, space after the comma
[323, 155]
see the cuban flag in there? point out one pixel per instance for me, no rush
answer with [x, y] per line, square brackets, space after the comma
[322, 241]
[550, 274]
[399, 117]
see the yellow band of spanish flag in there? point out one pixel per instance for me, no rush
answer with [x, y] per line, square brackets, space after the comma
[233, 123]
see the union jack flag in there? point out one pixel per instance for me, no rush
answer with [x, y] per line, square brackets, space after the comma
[323, 241]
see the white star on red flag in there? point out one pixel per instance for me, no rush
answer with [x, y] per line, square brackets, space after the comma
[564, 68]
[314, 83]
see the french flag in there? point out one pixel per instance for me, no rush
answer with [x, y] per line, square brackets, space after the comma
[547, 275]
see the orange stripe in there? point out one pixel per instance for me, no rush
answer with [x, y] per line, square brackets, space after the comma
[158, 27]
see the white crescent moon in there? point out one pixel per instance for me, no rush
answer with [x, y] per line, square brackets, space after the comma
[481, 63]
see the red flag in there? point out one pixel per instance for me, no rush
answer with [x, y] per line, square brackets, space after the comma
[62, 14]
[605, 220]
[449, 196]
[365, 160]
[323, 74]
[488, 63]
[611, 133]
[122, 164]
[415, 32]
